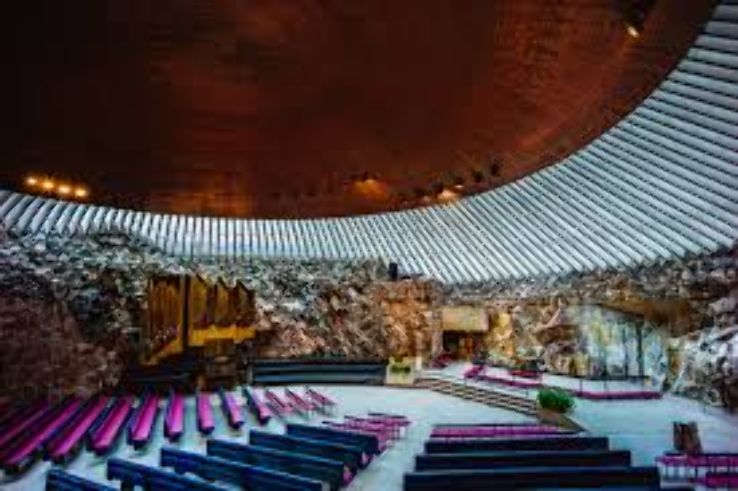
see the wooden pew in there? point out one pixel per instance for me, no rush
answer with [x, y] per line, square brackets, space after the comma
[368, 443]
[27, 449]
[59, 480]
[175, 416]
[67, 443]
[532, 477]
[131, 474]
[302, 405]
[245, 476]
[103, 438]
[320, 469]
[488, 460]
[517, 444]
[231, 409]
[22, 421]
[141, 429]
[257, 407]
[205, 420]
[278, 406]
[349, 455]
[325, 403]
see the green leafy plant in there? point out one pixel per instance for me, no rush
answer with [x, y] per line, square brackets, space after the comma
[555, 400]
[400, 368]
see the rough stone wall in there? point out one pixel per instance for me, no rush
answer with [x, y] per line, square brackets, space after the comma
[698, 357]
[88, 296]
[303, 308]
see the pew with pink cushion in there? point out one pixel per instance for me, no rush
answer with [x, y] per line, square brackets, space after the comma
[205, 421]
[106, 434]
[257, 407]
[68, 442]
[174, 417]
[324, 402]
[21, 421]
[384, 437]
[299, 403]
[482, 432]
[474, 371]
[142, 424]
[279, 406]
[28, 448]
[231, 409]
[396, 427]
[718, 480]
[617, 395]
[691, 464]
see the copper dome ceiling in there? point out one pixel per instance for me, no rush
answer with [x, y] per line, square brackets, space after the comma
[315, 108]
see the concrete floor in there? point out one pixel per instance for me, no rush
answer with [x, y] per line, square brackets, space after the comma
[641, 426]
[423, 407]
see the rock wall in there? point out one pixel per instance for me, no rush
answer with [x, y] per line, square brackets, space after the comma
[88, 295]
[303, 308]
[685, 313]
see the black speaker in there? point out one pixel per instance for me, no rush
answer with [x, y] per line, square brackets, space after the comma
[393, 271]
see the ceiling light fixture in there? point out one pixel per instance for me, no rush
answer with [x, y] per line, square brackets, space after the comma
[81, 192]
[64, 189]
[31, 181]
[47, 185]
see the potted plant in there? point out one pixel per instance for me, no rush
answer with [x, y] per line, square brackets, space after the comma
[553, 405]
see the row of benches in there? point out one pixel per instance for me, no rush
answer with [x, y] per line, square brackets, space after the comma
[524, 461]
[58, 431]
[305, 458]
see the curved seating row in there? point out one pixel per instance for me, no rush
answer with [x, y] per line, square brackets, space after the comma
[538, 461]
[318, 371]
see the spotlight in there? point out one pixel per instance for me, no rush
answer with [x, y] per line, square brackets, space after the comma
[31, 181]
[47, 184]
[80, 193]
[64, 189]
[633, 31]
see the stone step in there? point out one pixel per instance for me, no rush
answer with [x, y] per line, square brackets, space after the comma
[477, 394]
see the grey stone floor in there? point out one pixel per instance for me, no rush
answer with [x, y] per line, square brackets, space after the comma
[642, 426]
[424, 408]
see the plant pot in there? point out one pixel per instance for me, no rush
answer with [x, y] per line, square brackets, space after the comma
[555, 418]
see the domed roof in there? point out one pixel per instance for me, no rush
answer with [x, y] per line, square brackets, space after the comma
[319, 108]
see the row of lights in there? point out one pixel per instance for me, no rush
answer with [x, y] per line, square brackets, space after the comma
[50, 186]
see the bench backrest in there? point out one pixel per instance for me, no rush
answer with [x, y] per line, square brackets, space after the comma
[322, 469]
[350, 456]
[133, 474]
[59, 480]
[243, 475]
[538, 477]
[481, 460]
[515, 444]
[368, 443]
